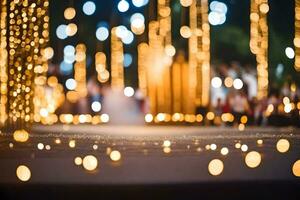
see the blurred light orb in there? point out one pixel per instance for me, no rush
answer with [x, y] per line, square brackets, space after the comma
[253, 159]
[123, 6]
[21, 135]
[128, 39]
[61, 32]
[127, 60]
[137, 16]
[96, 106]
[213, 147]
[238, 84]
[104, 118]
[148, 118]
[78, 161]
[185, 32]
[102, 33]
[216, 18]
[44, 112]
[228, 82]
[23, 173]
[72, 143]
[121, 31]
[282, 145]
[264, 8]
[128, 91]
[224, 151]
[140, 3]
[215, 167]
[48, 53]
[40, 146]
[244, 148]
[296, 168]
[219, 7]
[69, 13]
[71, 29]
[186, 3]
[69, 59]
[167, 143]
[69, 50]
[170, 50]
[89, 8]
[90, 162]
[216, 82]
[115, 155]
[66, 68]
[71, 84]
[289, 52]
[259, 141]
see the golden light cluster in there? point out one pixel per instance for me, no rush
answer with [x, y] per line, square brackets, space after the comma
[3, 63]
[297, 35]
[117, 58]
[100, 61]
[83, 118]
[28, 35]
[259, 43]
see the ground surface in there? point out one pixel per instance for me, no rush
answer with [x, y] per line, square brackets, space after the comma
[144, 160]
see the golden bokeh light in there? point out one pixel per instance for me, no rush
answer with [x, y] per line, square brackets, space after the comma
[21, 135]
[69, 13]
[253, 159]
[215, 167]
[115, 155]
[296, 168]
[90, 162]
[282, 145]
[78, 161]
[167, 143]
[224, 151]
[72, 143]
[23, 173]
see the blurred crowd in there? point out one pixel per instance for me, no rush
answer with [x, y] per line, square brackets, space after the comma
[280, 108]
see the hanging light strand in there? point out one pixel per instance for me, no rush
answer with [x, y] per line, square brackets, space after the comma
[259, 43]
[297, 35]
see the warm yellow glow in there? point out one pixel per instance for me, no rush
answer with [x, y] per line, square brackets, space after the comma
[260, 141]
[228, 82]
[215, 167]
[253, 159]
[241, 127]
[115, 155]
[69, 13]
[90, 162]
[71, 30]
[210, 116]
[224, 151]
[237, 145]
[283, 145]
[21, 135]
[170, 50]
[23, 173]
[167, 143]
[185, 32]
[78, 161]
[186, 3]
[72, 143]
[57, 141]
[296, 168]
[148, 118]
[167, 150]
[104, 118]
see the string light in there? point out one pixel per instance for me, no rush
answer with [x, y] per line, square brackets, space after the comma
[259, 43]
[297, 35]
[3, 63]
[117, 58]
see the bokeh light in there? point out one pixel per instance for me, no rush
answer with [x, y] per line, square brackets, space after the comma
[215, 167]
[23, 173]
[89, 8]
[123, 6]
[90, 162]
[102, 33]
[253, 159]
[128, 91]
[282, 145]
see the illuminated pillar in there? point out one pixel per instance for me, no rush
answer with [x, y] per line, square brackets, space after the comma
[3, 63]
[117, 58]
[25, 40]
[297, 35]
[142, 67]
[259, 43]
